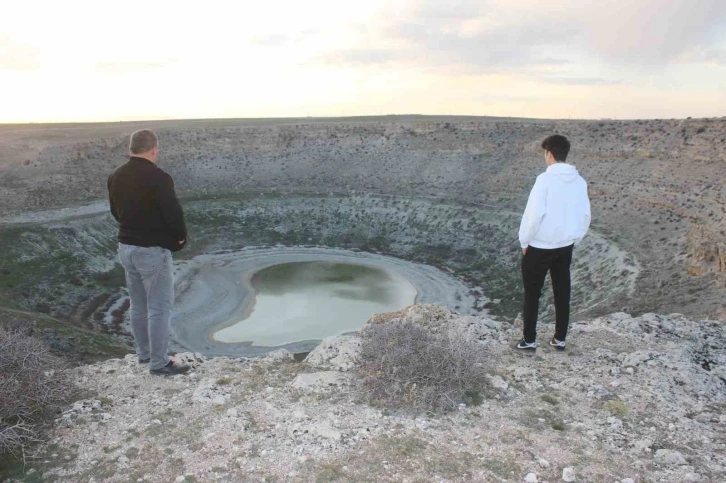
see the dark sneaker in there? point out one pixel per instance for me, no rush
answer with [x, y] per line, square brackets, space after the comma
[171, 369]
[557, 344]
[148, 359]
[525, 346]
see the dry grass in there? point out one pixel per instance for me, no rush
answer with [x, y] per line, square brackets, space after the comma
[33, 387]
[617, 408]
[407, 366]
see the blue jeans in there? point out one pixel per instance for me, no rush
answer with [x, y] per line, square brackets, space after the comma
[150, 280]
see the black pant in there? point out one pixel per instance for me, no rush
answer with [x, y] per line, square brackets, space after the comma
[535, 265]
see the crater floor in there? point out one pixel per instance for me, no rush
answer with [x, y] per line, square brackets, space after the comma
[215, 291]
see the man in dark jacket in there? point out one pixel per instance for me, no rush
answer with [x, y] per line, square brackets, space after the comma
[151, 226]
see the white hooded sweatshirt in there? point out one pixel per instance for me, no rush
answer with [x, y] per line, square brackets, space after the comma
[558, 209]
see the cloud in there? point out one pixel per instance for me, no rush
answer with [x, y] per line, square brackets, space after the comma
[653, 32]
[17, 56]
[580, 81]
[526, 36]
[489, 49]
[131, 66]
[496, 99]
[451, 9]
[362, 57]
[426, 45]
[280, 39]
[713, 56]
[273, 40]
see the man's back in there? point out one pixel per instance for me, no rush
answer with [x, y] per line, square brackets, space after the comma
[143, 201]
[558, 211]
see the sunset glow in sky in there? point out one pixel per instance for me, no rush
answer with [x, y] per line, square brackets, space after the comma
[81, 60]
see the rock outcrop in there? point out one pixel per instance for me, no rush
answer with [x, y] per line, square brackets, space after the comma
[632, 399]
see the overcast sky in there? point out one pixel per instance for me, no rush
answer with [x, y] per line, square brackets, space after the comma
[77, 60]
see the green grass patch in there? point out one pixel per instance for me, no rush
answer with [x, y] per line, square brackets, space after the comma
[88, 346]
[617, 408]
[500, 468]
[408, 445]
[114, 278]
[132, 453]
[329, 473]
[473, 398]
[168, 415]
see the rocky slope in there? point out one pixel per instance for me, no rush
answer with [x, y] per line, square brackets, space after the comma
[632, 400]
[657, 186]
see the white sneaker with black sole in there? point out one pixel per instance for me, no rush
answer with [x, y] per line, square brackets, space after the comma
[525, 346]
[557, 344]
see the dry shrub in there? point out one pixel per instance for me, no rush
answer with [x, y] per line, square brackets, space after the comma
[407, 366]
[33, 388]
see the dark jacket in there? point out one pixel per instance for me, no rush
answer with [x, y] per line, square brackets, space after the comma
[144, 203]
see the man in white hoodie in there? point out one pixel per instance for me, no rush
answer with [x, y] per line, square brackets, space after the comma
[555, 220]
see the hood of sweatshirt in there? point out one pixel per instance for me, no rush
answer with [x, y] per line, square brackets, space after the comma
[566, 173]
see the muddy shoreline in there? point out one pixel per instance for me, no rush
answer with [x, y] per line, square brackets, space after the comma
[214, 292]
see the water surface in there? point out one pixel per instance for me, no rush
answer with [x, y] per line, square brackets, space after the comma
[313, 300]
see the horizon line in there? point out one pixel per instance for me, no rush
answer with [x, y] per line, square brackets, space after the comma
[331, 118]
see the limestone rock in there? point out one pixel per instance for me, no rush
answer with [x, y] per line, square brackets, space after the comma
[280, 355]
[439, 319]
[479, 329]
[209, 392]
[531, 478]
[325, 431]
[636, 358]
[497, 382]
[426, 315]
[338, 353]
[598, 391]
[325, 381]
[642, 445]
[192, 359]
[568, 474]
[669, 457]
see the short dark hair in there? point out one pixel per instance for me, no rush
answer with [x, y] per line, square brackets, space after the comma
[558, 145]
[142, 141]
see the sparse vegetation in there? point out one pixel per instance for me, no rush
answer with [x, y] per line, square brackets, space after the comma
[406, 366]
[33, 387]
[328, 473]
[616, 407]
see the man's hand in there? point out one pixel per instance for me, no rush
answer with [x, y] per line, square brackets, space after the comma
[524, 250]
